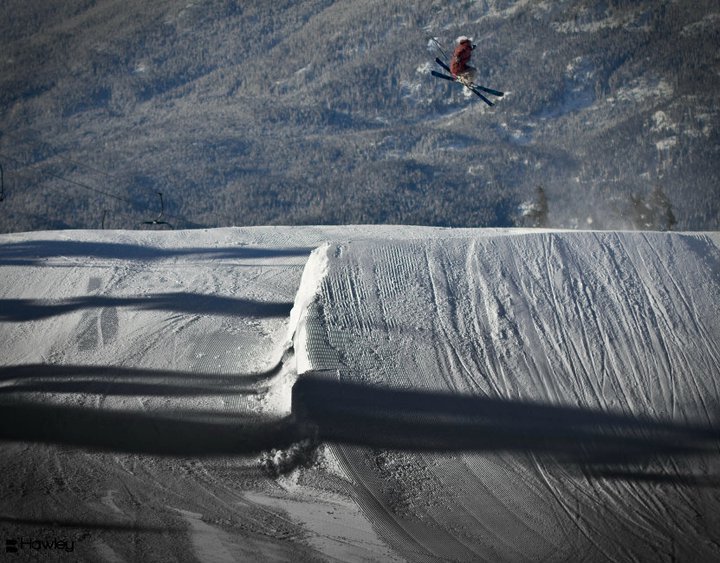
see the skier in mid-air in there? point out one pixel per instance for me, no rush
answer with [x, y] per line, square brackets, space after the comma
[461, 57]
[460, 71]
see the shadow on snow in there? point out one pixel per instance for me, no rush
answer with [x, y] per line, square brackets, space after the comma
[33, 252]
[63, 523]
[117, 381]
[597, 442]
[22, 310]
[605, 444]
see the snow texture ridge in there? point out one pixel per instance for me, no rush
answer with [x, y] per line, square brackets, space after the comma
[293, 360]
[315, 271]
[576, 374]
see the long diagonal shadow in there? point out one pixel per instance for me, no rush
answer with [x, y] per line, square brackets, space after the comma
[195, 433]
[33, 252]
[118, 381]
[176, 433]
[604, 443]
[66, 523]
[23, 310]
[325, 409]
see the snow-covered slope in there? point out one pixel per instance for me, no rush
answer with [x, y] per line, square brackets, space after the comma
[361, 393]
[554, 394]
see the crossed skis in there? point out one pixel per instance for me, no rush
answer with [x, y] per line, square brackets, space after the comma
[474, 88]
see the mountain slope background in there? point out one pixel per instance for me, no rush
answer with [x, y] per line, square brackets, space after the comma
[324, 112]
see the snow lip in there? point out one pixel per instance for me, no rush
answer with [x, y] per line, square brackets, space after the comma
[315, 271]
[293, 353]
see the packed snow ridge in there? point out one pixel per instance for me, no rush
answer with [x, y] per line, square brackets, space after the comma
[515, 396]
[419, 393]
[312, 277]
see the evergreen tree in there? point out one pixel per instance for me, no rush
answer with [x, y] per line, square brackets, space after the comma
[664, 218]
[653, 214]
[535, 213]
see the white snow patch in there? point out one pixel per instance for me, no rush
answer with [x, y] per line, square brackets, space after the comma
[661, 122]
[666, 144]
[424, 68]
[527, 208]
[580, 69]
[588, 22]
[494, 11]
[643, 89]
[701, 26]
[412, 90]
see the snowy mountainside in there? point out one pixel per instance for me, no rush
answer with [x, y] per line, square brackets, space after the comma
[105, 103]
[361, 393]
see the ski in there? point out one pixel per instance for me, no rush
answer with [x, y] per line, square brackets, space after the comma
[478, 93]
[469, 87]
[497, 93]
[439, 61]
[441, 75]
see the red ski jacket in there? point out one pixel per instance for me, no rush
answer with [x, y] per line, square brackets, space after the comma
[461, 57]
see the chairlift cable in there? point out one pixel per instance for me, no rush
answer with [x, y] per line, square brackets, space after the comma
[80, 184]
[59, 156]
[74, 182]
[92, 188]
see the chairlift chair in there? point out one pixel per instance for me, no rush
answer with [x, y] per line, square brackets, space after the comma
[159, 219]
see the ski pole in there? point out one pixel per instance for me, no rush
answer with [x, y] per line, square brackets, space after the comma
[437, 44]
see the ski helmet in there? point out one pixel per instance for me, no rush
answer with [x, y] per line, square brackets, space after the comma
[463, 39]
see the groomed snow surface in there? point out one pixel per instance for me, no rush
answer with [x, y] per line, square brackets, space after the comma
[361, 394]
